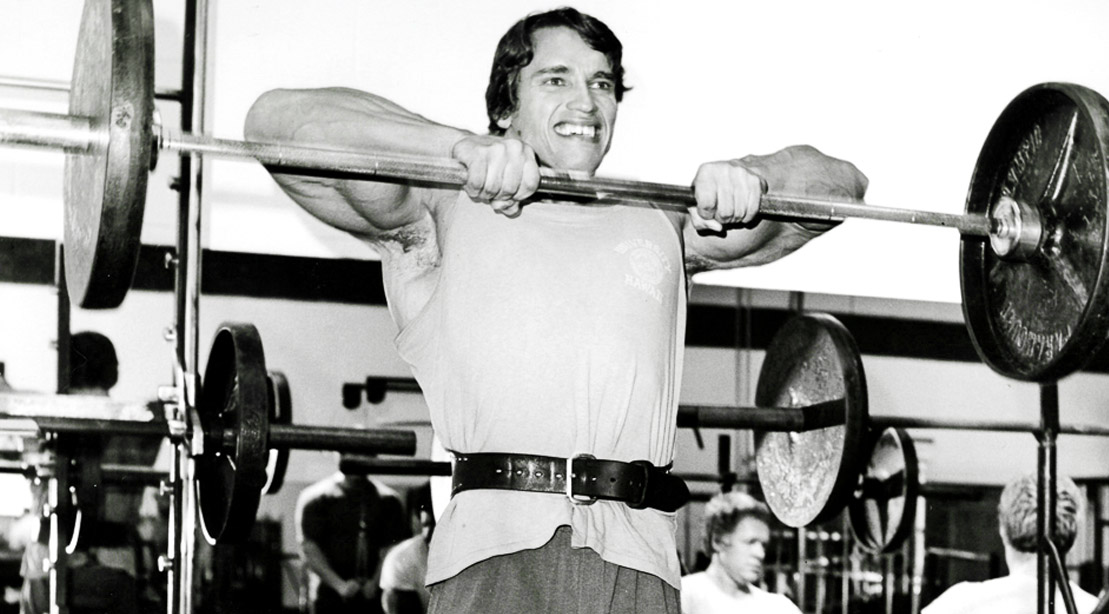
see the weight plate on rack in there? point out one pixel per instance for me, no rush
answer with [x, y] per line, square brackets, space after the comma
[808, 477]
[883, 508]
[234, 411]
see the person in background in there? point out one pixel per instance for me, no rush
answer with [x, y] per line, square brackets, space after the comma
[737, 531]
[103, 566]
[1016, 593]
[404, 571]
[346, 522]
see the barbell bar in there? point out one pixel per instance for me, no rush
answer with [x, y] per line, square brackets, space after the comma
[295, 436]
[830, 413]
[84, 135]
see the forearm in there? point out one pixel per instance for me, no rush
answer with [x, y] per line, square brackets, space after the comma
[740, 247]
[347, 118]
[317, 562]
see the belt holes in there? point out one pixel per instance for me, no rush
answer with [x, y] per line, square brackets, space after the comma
[519, 472]
[612, 480]
[500, 471]
[538, 474]
[558, 476]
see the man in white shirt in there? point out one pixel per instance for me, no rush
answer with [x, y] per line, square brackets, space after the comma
[737, 530]
[1016, 593]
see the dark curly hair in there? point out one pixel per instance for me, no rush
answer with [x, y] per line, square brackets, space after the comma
[1017, 513]
[516, 50]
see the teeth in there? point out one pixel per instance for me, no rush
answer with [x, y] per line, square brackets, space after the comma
[576, 130]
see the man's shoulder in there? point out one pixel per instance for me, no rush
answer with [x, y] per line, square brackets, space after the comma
[327, 487]
[964, 596]
[775, 603]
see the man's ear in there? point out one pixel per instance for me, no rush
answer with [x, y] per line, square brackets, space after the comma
[504, 122]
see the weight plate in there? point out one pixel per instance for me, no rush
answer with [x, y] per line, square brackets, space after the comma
[105, 189]
[1045, 317]
[281, 412]
[883, 508]
[234, 417]
[809, 477]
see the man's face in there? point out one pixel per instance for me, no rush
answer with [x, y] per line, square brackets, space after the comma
[741, 552]
[566, 102]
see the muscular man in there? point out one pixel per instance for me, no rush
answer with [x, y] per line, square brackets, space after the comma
[737, 531]
[1016, 593]
[540, 329]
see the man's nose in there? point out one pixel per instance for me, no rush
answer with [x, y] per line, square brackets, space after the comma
[582, 99]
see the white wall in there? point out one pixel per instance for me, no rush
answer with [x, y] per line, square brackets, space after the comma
[907, 91]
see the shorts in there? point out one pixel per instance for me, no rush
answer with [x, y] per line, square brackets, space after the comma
[554, 578]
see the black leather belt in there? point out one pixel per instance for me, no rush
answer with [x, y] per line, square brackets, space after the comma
[639, 484]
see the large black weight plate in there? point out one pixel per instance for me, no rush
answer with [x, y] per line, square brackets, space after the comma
[234, 399]
[809, 477]
[883, 509]
[105, 189]
[281, 412]
[1041, 319]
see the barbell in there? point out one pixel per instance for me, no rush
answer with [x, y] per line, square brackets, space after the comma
[242, 415]
[1034, 247]
[817, 448]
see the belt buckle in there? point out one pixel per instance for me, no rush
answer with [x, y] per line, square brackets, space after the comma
[576, 499]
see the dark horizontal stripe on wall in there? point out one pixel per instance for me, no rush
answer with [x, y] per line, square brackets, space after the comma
[721, 326]
[31, 261]
[359, 282]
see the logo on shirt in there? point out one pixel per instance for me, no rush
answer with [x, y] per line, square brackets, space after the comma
[648, 264]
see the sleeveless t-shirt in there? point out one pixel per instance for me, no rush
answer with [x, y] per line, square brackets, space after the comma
[557, 332]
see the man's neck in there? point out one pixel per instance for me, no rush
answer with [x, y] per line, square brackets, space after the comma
[1020, 563]
[729, 585]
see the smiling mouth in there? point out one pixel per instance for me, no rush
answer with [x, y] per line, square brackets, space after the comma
[568, 129]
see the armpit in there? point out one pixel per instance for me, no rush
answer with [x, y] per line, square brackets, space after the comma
[410, 249]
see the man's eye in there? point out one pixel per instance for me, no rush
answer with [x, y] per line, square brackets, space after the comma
[602, 85]
[555, 81]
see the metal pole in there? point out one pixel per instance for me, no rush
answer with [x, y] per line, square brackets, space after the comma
[61, 343]
[1046, 496]
[60, 510]
[187, 293]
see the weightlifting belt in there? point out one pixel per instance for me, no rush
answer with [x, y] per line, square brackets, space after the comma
[639, 484]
